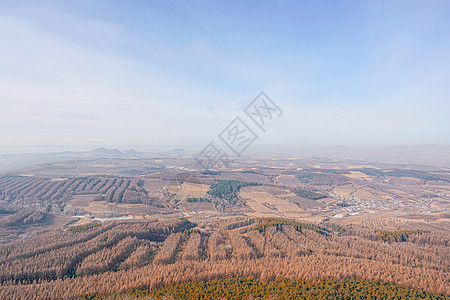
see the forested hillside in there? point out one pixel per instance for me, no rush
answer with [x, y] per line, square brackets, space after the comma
[252, 288]
[225, 192]
[40, 192]
[122, 256]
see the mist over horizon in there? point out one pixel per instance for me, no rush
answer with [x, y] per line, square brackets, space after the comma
[14, 159]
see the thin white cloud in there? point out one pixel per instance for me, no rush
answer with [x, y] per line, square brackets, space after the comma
[49, 81]
[67, 80]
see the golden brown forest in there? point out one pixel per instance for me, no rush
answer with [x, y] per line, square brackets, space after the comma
[151, 256]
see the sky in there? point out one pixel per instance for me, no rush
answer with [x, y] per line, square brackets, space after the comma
[121, 73]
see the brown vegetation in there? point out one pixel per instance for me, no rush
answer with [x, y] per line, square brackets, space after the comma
[118, 256]
[40, 192]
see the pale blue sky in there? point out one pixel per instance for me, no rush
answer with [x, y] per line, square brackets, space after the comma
[177, 72]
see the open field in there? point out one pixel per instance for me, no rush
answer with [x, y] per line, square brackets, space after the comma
[358, 175]
[269, 201]
[289, 180]
[189, 190]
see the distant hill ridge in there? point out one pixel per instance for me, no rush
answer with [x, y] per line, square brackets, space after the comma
[113, 152]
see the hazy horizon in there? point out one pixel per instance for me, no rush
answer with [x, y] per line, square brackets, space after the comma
[15, 158]
[193, 147]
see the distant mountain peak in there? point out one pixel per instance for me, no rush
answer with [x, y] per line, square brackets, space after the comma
[131, 152]
[104, 151]
[179, 150]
